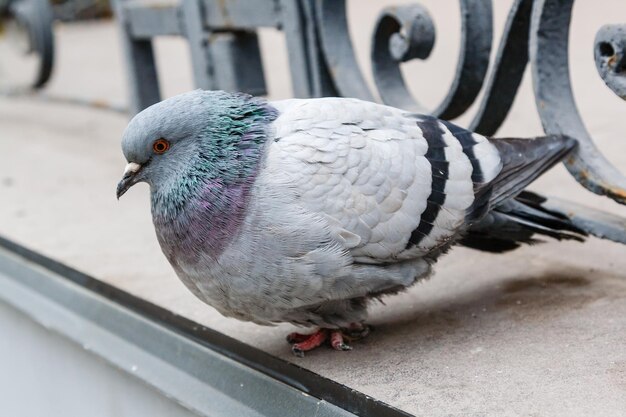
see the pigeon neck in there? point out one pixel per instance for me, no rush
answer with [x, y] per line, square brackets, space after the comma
[204, 207]
[208, 222]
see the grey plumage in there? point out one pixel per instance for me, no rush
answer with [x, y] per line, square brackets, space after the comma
[303, 210]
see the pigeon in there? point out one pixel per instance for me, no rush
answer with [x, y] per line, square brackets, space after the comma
[306, 210]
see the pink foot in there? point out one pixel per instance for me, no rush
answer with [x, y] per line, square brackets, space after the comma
[337, 338]
[296, 337]
[304, 343]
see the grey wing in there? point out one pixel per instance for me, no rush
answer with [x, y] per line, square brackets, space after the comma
[391, 185]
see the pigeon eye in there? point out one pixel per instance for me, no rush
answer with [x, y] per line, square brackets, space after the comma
[160, 146]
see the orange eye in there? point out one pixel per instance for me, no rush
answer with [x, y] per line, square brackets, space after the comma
[160, 146]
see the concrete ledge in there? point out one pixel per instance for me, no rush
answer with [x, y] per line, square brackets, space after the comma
[199, 369]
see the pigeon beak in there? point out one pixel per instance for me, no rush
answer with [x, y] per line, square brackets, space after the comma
[129, 179]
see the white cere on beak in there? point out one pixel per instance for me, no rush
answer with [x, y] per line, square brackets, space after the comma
[131, 168]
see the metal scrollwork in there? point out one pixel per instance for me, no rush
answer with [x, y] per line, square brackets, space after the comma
[402, 34]
[26, 33]
[537, 31]
[412, 25]
[610, 55]
[555, 101]
[509, 66]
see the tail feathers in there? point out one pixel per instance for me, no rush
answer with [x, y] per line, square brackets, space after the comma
[523, 161]
[601, 224]
[520, 221]
[530, 206]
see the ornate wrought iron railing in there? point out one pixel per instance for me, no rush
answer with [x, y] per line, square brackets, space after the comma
[27, 39]
[225, 55]
[25, 32]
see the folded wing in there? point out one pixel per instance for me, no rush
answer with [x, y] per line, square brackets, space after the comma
[391, 185]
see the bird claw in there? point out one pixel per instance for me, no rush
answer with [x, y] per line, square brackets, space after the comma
[297, 352]
[336, 341]
[302, 343]
[342, 346]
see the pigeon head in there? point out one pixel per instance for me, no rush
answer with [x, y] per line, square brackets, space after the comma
[183, 142]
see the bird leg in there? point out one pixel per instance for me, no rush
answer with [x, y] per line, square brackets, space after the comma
[303, 342]
[336, 341]
[337, 338]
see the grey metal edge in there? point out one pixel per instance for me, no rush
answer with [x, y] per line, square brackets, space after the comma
[199, 378]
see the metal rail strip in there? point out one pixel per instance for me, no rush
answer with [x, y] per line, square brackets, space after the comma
[207, 372]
